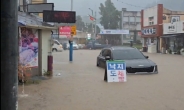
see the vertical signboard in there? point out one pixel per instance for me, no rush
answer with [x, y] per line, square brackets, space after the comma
[73, 30]
[116, 71]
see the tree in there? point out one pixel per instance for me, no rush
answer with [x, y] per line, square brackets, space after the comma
[79, 23]
[110, 16]
[88, 28]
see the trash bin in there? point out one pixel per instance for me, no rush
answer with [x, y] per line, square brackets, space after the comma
[144, 49]
[131, 43]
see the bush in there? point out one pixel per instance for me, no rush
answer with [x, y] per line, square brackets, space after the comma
[24, 73]
[138, 42]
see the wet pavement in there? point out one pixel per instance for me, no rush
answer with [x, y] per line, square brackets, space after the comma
[80, 86]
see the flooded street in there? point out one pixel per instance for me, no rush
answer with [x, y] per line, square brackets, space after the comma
[80, 86]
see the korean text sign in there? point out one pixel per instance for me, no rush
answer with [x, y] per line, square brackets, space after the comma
[116, 71]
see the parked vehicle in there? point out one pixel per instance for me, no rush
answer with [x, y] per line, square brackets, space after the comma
[135, 61]
[75, 46]
[96, 45]
[81, 46]
[65, 45]
[57, 46]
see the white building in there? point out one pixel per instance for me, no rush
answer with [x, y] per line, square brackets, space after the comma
[131, 20]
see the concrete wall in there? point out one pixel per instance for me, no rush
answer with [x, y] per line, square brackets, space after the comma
[46, 48]
[150, 12]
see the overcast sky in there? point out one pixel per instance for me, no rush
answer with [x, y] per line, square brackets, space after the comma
[81, 6]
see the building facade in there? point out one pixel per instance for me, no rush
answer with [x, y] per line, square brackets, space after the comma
[23, 8]
[153, 19]
[131, 20]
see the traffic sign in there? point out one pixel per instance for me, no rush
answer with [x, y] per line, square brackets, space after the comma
[73, 30]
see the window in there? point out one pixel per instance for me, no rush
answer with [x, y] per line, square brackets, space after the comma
[138, 19]
[151, 20]
[132, 19]
[106, 52]
[125, 19]
[56, 42]
[127, 54]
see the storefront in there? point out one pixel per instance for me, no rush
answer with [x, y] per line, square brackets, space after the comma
[173, 38]
[151, 40]
[34, 43]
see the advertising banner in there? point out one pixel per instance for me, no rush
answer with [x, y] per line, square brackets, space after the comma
[28, 47]
[114, 32]
[116, 71]
[65, 30]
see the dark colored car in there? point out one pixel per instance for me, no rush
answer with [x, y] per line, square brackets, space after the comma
[135, 61]
[96, 45]
[65, 45]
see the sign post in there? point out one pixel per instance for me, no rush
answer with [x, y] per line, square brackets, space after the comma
[73, 32]
[115, 71]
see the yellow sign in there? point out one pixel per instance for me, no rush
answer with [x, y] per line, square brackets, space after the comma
[73, 30]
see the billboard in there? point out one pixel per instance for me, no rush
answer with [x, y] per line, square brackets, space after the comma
[65, 30]
[59, 16]
[39, 7]
[28, 47]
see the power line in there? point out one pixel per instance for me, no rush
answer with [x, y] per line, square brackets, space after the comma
[131, 4]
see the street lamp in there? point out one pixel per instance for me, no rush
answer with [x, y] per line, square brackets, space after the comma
[91, 11]
[93, 22]
[92, 16]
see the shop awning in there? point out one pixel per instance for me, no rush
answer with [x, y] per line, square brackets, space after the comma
[30, 21]
[167, 36]
[21, 23]
[40, 27]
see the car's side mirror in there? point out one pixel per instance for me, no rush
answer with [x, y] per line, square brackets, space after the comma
[107, 57]
[147, 57]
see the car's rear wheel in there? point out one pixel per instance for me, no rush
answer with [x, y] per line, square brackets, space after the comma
[54, 50]
[97, 64]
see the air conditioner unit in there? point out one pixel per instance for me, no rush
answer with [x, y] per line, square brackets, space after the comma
[175, 19]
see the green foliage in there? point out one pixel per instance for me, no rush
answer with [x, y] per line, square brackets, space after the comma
[79, 23]
[47, 73]
[88, 28]
[169, 51]
[110, 16]
[81, 26]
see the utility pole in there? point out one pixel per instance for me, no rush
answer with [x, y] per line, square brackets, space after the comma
[71, 40]
[9, 54]
[71, 5]
[92, 21]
